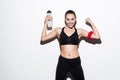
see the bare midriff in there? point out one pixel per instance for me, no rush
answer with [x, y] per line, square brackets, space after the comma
[69, 51]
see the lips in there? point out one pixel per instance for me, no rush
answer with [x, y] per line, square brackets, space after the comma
[71, 24]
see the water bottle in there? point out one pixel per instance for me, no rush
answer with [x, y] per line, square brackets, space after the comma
[50, 22]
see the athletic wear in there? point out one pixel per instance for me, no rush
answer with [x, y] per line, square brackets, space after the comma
[72, 66]
[73, 39]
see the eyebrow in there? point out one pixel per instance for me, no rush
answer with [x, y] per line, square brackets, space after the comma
[70, 18]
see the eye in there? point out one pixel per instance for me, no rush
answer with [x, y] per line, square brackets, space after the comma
[67, 19]
[72, 19]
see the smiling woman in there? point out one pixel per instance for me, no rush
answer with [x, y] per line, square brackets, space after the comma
[68, 37]
[21, 24]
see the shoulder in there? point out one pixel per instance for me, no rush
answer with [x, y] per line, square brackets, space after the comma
[58, 29]
[80, 30]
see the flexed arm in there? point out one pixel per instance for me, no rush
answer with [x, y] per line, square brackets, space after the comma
[94, 33]
[44, 35]
[90, 34]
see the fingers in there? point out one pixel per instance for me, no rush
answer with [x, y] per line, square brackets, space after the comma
[88, 21]
[47, 18]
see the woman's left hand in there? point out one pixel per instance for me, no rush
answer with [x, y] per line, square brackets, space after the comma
[88, 21]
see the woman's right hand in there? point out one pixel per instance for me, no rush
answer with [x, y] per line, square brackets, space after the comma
[47, 18]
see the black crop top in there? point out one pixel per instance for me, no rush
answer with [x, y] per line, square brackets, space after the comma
[64, 39]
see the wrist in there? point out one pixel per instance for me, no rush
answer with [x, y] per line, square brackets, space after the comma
[45, 23]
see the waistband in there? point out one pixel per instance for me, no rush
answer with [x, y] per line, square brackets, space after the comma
[66, 60]
[69, 59]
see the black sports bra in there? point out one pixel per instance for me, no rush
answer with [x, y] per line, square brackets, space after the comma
[73, 39]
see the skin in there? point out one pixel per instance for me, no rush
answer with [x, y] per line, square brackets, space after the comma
[69, 51]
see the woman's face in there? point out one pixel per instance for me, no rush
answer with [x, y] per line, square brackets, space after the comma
[70, 20]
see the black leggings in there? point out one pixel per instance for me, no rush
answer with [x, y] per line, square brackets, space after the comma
[72, 66]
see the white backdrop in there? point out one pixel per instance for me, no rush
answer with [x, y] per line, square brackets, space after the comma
[23, 58]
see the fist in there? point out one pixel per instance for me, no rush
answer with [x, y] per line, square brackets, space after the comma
[88, 21]
[48, 18]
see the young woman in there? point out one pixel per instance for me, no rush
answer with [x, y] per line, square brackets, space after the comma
[68, 37]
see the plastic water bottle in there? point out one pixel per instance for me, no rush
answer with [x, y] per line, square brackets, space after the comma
[50, 22]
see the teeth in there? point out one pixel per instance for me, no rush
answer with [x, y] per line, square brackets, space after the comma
[71, 24]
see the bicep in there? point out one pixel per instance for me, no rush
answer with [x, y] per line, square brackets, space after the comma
[82, 33]
[87, 34]
[50, 35]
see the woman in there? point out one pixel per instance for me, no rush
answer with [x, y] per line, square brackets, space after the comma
[69, 36]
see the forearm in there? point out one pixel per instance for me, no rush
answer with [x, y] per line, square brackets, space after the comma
[95, 31]
[44, 32]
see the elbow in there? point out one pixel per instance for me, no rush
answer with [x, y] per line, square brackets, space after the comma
[43, 41]
[97, 37]
[98, 40]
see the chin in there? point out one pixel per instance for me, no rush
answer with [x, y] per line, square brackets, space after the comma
[71, 27]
